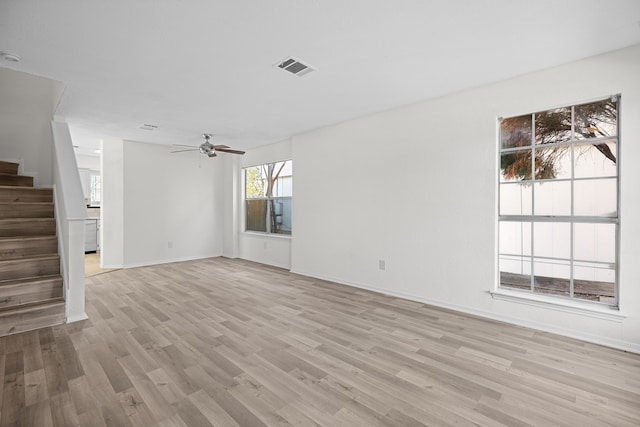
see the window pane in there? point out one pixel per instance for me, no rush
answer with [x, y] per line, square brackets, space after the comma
[551, 277]
[255, 182]
[515, 132]
[596, 119]
[256, 212]
[95, 189]
[595, 282]
[515, 166]
[515, 199]
[552, 239]
[281, 217]
[515, 238]
[515, 272]
[595, 197]
[283, 187]
[595, 160]
[552, 198]
[553, 126]
[553, 162]
[594, 242]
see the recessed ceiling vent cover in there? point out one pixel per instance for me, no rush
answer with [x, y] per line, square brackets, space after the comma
[148, 127]
[295, 66]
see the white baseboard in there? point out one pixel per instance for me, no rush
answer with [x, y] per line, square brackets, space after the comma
[77, 318]
[166, 261]
[544, 327]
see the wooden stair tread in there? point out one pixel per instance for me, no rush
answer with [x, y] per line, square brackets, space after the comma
[33, 257]
[30, 238]
[32, 306]
[9, 167]
[13, 193]
[26, 203]
[13, 227]
[9, 210]
[9, 179]
[22, 187]
[26, 220]
[30, 280]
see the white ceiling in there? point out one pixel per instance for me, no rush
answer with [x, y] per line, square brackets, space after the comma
[207, 65]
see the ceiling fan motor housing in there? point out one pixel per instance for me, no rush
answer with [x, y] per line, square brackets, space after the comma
[206, 147]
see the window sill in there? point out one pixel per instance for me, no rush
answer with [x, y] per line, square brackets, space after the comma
[574, 307]
[267, 235]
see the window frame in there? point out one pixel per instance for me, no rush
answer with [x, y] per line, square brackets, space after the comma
[572, 219]
[275, 199]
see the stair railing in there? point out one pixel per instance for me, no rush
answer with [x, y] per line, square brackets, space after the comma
[71, 214]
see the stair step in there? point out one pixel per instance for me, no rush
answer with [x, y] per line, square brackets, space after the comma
[9, 167]
[32, 316]
[13, 227]
[27, 291]
[27, 246]
[16, 180]
[43, 265]
[12, 194]
[26, 210]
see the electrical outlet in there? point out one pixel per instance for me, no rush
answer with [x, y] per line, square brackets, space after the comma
[381, 264]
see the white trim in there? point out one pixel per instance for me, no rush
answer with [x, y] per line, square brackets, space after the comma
[595, 339]
[77, 317]
[165, 261]
[264, 234]
[565, 305]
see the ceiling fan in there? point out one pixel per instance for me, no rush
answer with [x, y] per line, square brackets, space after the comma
[208, 148]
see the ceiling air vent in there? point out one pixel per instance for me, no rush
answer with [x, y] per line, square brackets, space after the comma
[148, 127]
[295, 67]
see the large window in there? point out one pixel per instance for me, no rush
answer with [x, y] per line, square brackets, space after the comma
[268, 190]
[558, 202]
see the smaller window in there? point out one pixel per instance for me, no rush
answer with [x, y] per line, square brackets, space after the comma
[95, 189]
[268, 192]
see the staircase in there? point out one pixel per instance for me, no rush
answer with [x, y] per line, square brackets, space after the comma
[30, 280]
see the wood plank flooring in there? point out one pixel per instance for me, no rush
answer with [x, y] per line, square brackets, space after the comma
[222, 342]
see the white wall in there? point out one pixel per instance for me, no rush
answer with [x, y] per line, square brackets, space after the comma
[416, 187]
[88, 162]
[27, 105]
[172, 205]
[112, 204]
[267, 249]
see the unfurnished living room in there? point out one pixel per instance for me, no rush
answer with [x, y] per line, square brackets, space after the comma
[320, 213]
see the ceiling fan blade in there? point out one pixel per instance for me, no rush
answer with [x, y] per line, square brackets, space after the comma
[212, 154]
[180, 151]
[220, 146]
[225, 150]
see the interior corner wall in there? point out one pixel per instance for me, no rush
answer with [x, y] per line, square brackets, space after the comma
[416, 187]
[231, 194]
[27, 106]
[172, 205]
[112, 204]
[260, 247]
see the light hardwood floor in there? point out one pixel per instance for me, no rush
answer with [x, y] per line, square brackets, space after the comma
[228, 342]
[92, 265]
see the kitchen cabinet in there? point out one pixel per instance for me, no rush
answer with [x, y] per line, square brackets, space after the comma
[91, 241]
